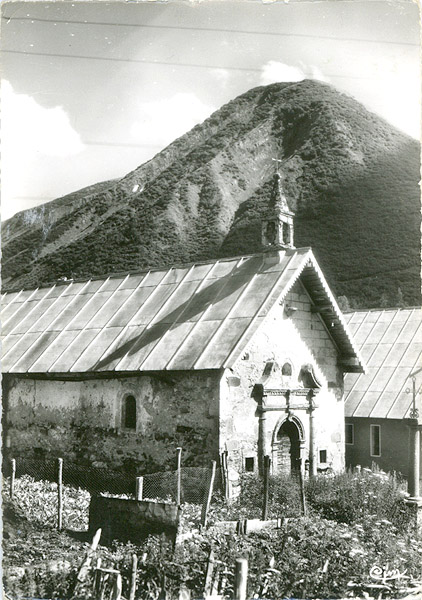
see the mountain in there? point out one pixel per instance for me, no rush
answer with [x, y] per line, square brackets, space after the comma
[351, 178]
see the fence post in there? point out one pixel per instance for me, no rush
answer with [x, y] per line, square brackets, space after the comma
[240, 579]
[139, 488]
[163, 595]
[12, 477]
[97, 578]
[209, 573]
[179, 474]
[133, 577]
[225, 474]
[117, 588]
[59, 493]
[207, 500]
[226, 468]
[267, 462]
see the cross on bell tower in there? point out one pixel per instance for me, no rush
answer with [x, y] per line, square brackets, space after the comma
[277, 224]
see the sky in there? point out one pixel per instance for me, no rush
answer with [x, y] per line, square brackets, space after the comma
[91, 90]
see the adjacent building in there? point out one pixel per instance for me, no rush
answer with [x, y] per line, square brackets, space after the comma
[383, 406]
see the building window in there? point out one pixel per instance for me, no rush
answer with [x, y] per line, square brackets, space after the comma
[287, 369]
[271, 233]
[129, 413]
[375, 440]
[322, 456]
[350, 434]
[286, 233]
[249, 464]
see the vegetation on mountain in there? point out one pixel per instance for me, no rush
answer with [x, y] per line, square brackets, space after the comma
[351, 178]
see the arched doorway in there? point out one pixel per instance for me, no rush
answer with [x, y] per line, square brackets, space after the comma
[287, 443]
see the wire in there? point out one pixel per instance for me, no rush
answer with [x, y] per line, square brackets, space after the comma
[122, 144]
[165, 63]
[33, 197]
[210, 29]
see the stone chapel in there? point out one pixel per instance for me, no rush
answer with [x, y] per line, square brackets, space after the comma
[245, 355]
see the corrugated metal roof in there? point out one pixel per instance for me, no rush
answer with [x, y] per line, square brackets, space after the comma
[391, 343]
[193, 317]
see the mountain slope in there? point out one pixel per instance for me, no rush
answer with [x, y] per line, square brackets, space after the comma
[351, 178]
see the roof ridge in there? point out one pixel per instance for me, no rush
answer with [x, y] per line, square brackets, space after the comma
[116, 274]
[356, 310]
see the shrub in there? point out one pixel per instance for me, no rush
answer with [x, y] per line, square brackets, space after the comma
[351, 498]
[344, 498]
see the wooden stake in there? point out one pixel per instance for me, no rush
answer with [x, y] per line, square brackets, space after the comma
[133, 577]
[223, 474]
[207, 500]
[59, 493]
[139, 488]
[226, 474]
[269, 572]
[240, 579]
[12, 477]
[103, 586]
[209, 574]
[163, 595]
[84, 568]
[302, 489]
[97, 578]
[215, 585]
[110, 571]
[117, 588]
[179, 475]
[267, 462]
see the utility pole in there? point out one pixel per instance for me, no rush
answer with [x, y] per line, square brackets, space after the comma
[414, 501]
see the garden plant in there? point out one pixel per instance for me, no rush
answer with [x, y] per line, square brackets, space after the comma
[353, 524]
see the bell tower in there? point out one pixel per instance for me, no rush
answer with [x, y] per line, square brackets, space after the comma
[277, 223]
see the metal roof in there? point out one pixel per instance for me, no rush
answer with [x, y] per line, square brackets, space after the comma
[391, 344]
[193, 317]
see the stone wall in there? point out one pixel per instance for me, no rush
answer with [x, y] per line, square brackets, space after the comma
[298, 339]
[82, 420]
[132, 520]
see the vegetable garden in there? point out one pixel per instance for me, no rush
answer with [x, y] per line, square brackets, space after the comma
[357, 540]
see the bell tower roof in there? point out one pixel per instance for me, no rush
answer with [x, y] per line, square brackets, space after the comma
[278, 201]
[277, 223]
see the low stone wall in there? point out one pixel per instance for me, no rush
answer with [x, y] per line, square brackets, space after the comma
[245, 526]
[132, 520]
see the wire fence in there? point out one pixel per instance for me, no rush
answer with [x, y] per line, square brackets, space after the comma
[194, 481]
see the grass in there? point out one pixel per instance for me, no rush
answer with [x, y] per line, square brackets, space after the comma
[354, 522]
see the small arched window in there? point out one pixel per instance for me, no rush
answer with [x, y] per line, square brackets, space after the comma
[286, 369]
[129, 413]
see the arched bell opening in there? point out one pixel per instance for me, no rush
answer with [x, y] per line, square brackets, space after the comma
[288, 441]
